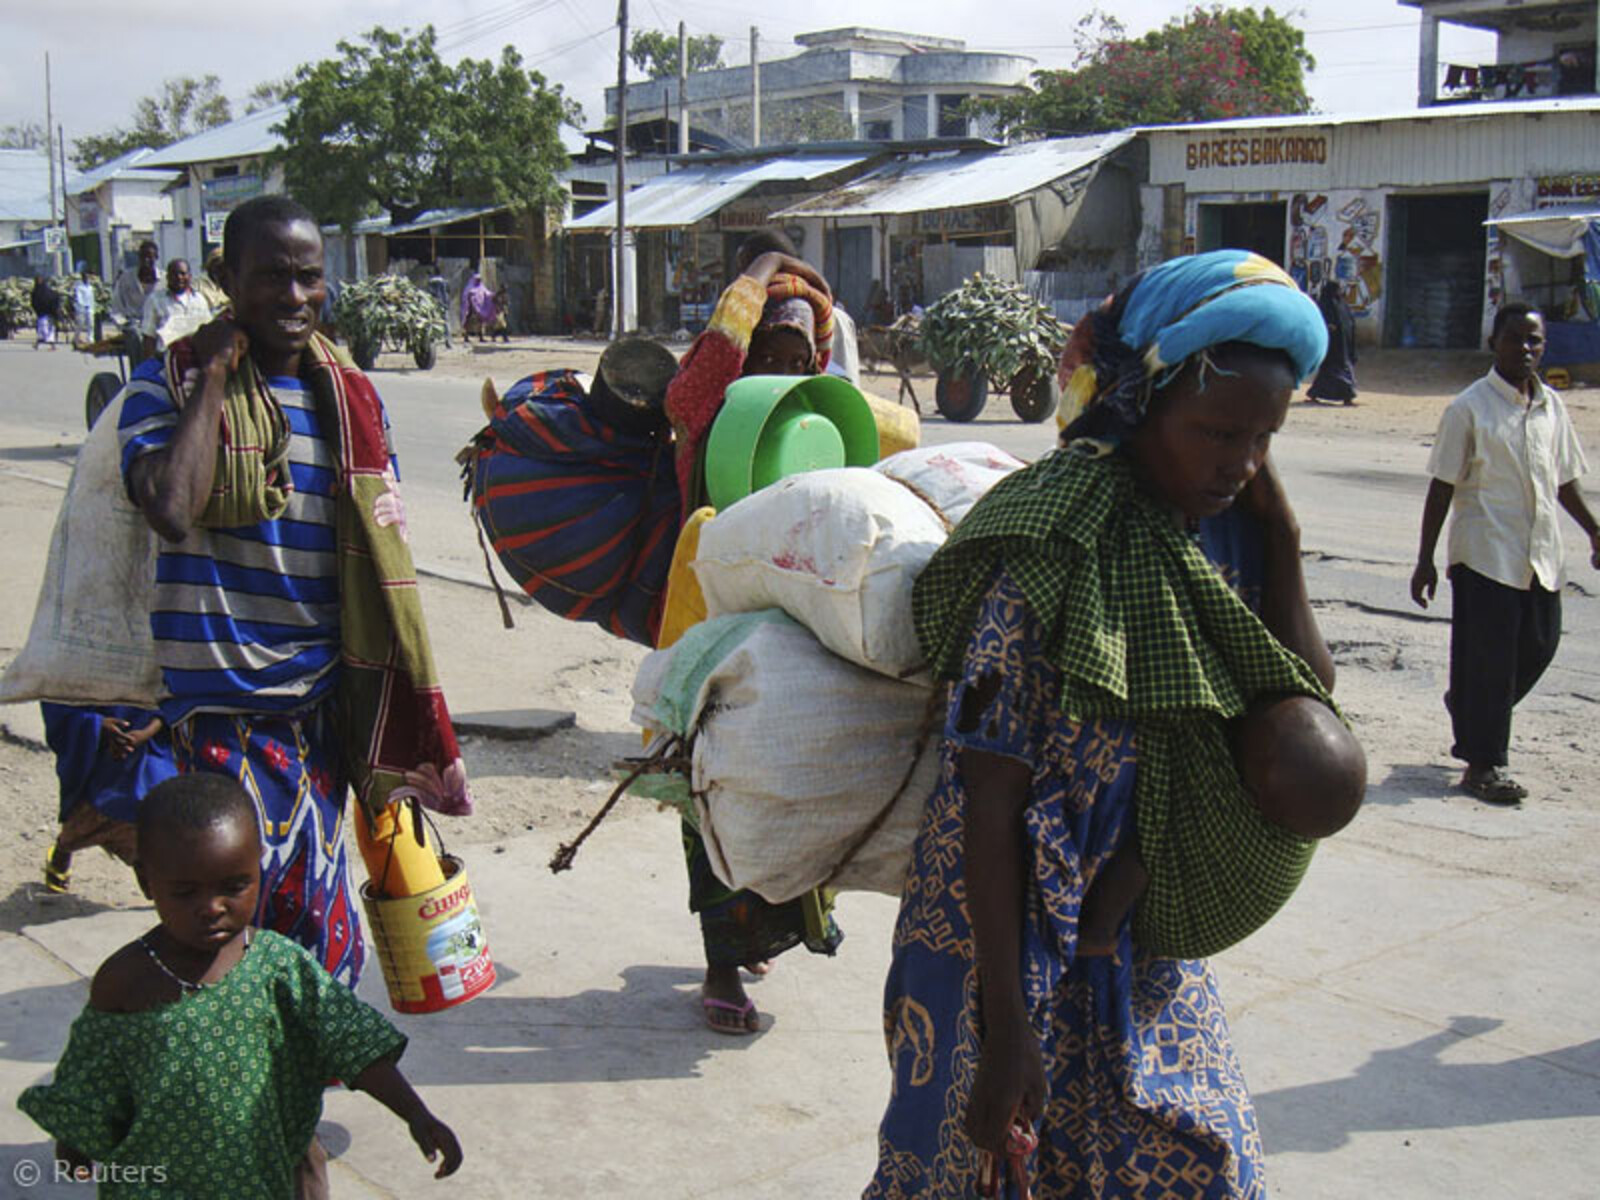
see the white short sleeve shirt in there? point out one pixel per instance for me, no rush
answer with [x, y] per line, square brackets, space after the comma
[1507, 457]
[168, 318]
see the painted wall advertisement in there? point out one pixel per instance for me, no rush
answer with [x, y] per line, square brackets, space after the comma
[1338, 236]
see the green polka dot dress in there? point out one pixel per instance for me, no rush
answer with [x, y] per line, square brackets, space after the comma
[218, 1094]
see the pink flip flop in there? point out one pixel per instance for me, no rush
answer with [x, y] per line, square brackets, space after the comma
[709, 1004]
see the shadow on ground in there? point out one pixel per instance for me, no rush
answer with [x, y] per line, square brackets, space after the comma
[650, 1027]
[1411, 1088]
[30, 903]
[1409, 782]
[57, 452]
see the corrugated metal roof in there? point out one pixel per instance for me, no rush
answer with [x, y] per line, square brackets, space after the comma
[964, 180]
[244, 138]
[680, 198]
[1580, 212]
[431, 219]
[24, 185]
[1437, 112]
[124, 166]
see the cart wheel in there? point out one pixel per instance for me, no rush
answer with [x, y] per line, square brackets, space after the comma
[1034, 397]
[364, 354]
[425, 356]
[960, 394]
[102, 390]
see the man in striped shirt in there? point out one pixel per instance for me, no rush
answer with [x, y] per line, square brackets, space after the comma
[246, 619]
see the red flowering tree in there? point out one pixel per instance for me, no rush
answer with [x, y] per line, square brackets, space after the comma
[1209, 64]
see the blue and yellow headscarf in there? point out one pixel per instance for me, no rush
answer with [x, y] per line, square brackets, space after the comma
[1163, 317]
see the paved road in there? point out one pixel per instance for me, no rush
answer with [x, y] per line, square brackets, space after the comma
[1358, 494]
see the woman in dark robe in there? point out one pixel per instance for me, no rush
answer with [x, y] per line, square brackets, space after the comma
[1337, 378]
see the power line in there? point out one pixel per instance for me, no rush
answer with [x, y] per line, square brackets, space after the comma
[554, 51]
[454, 28]
[501, 19]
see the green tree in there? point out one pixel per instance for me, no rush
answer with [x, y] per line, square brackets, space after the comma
[267, 93]
[24, 135]
[389, 126]
[1210, 64]
[655, 52]
[184, 106]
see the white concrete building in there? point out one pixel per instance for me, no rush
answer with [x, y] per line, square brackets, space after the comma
[845, 85]
[1541, 49]
[116, 206]
[24, 210]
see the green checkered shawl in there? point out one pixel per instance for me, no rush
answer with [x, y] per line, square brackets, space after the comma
[1144, 629]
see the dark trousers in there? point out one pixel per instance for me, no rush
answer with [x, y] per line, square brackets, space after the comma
[1501, 640]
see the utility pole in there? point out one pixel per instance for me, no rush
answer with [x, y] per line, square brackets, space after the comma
[50, 145]
[683, 84]
[622, 169]
[66, 246]
[755, 86]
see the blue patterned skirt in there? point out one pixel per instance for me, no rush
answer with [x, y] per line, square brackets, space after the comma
[290, 767]
[1146, 1098]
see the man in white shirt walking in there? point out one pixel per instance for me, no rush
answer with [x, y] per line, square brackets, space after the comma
[83, 314]
[1505, 457]
[173, 312]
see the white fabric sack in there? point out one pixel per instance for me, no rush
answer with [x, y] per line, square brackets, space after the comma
[837, 550]
[797, 753]
[951, 477]
[90, 642]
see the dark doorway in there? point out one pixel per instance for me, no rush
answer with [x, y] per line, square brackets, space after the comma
[847, 266]
[1435, 270]
[1262, 228]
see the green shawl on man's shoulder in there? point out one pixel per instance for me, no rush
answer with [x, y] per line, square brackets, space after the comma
[1144, 629]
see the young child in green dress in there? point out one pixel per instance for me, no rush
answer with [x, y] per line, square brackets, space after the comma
[197, 1067]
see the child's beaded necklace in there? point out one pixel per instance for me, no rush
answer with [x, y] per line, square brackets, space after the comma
[185, 986]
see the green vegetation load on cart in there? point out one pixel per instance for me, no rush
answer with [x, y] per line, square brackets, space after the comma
[16, 307]
[387, 309]
[994, 328]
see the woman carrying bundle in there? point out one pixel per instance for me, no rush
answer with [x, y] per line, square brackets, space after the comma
[775, 318]
[1123, 727]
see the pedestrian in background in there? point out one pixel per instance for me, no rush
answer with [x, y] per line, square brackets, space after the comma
[173, 312]
[128, 295]
[1336, 378]
[477, 309]
[210, 285]
[107, 761]
[1505, 458]
[439, 289]
[46, 311]
[501, 325]
[84, 317]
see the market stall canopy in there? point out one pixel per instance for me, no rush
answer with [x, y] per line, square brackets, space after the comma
[1564, 232]
[681, 198]
[433, 218]
[965, 179]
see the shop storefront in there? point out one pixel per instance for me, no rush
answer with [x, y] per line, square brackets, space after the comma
[1550, 255]
[1058, 215]
[685, 227]
[1396, 209]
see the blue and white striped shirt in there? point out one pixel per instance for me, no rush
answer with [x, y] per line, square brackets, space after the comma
[245, 619]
